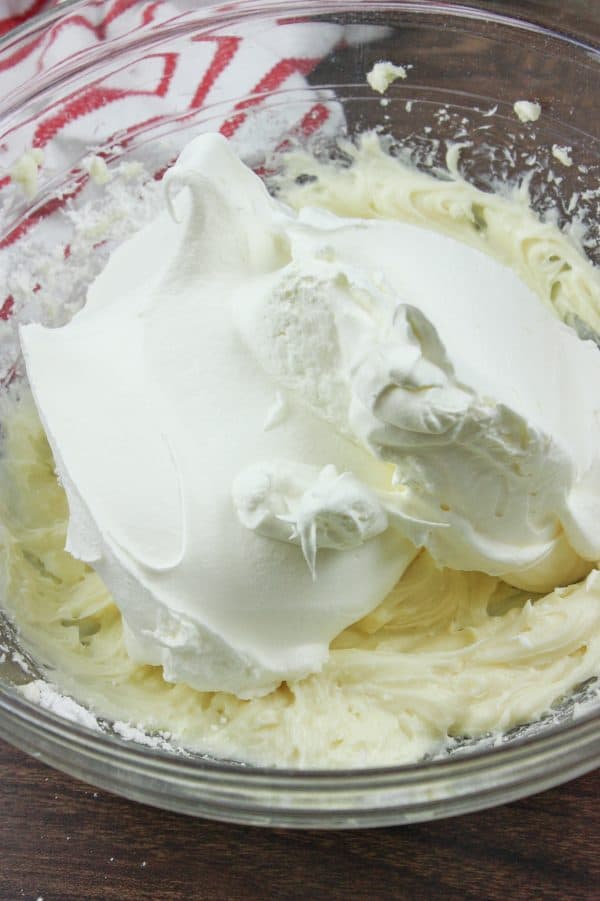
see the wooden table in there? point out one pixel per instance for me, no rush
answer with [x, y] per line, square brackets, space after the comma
[61, 840]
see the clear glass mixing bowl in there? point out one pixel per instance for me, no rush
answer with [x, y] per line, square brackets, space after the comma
[135, 82]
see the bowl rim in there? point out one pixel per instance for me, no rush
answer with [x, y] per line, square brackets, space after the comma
[513, 750]
[469, 9]
[328, 799]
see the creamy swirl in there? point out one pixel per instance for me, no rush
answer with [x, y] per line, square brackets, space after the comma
[421, 411]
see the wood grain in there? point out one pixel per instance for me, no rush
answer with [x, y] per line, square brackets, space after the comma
[64, 841]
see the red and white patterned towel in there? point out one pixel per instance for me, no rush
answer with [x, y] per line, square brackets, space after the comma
[227, 72]
[230, 70]
[197, 71]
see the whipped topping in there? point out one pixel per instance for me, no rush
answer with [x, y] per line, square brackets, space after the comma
[442, 371]
[154, 372]
[315, 508]
[431, 400]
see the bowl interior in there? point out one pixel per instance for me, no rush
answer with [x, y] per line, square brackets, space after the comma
[270, 76]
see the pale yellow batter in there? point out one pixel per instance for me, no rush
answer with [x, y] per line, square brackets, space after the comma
[446, 654]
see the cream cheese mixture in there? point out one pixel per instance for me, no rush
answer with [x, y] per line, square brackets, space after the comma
[336, 457]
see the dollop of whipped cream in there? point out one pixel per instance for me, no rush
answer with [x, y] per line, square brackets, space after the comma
[431, 400]
[315, 508]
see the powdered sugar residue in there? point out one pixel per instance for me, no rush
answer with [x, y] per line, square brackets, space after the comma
[46, 695]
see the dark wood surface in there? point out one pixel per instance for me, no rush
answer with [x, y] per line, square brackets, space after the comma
[61, 840]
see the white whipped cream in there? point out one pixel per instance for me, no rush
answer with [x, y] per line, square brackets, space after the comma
[430, 400]
[443, 363]
[154, 372]
[314, 508]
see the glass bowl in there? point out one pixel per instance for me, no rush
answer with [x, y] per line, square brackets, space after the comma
[134, 82]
